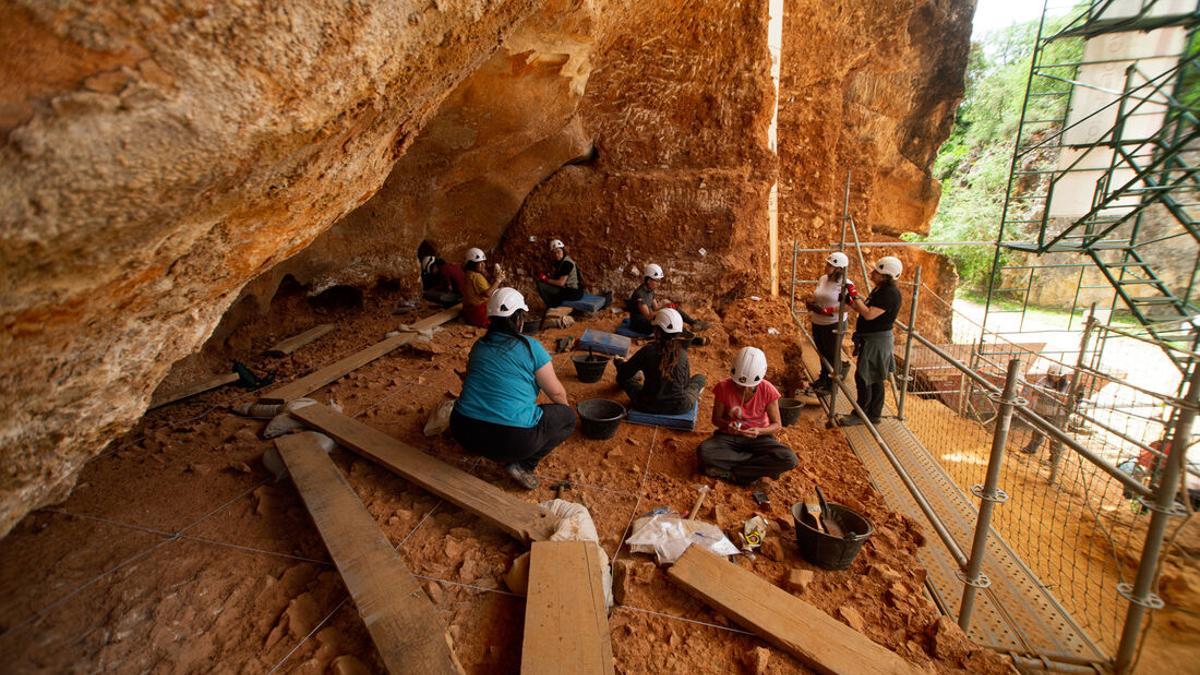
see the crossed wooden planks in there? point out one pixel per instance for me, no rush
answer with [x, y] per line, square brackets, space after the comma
[334, 371]
[399, 616]
[566, 621]
[817, 639]
[524, 521]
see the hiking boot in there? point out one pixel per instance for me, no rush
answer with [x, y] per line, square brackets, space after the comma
[852, 420]
[523, 476]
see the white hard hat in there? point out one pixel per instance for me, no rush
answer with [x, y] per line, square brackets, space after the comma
[475, 255]
[669, 320]
[838, 260]
[556, 244]
[749, 366]
[653, 271]
[889, 265]
[427, 263]
[505, 301]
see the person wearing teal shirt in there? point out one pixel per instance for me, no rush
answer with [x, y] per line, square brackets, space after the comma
[498, 416]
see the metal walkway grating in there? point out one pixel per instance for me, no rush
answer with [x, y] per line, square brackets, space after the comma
[1016, 614]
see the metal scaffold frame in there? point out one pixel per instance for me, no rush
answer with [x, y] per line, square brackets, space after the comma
[1093, 163]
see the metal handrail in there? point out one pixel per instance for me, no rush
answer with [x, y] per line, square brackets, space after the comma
[1039, 422]
[918, 496]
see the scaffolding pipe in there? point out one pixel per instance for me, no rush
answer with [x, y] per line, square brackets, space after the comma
[1141, 594]
[841, 313]
[989, 495]
[939, 527]
[793, 291]
[1073, 394]
[912, 321]
[1038, 421]
[1156, 343]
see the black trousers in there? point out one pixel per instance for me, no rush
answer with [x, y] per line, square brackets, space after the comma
[870, 397]
[553, 296]
[641, 324]
[508, 445]
[746, 459]
[827, 347]
[633, 389]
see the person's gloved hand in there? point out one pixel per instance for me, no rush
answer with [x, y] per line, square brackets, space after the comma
[541, 276]
[851, 290]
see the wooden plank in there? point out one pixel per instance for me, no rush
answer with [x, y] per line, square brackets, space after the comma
[399, 616]
[285, 347]
[817, 639]
[199, 388]
[334, 371]
[566, 621]
[522, 520]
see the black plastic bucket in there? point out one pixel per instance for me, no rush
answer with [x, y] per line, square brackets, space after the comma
[826, 550]
[789, 411]
[589, 367]
[600, 417]
[533, 324]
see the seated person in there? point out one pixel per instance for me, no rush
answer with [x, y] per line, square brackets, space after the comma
[477, 289]
[642, 304]
[564, 282]
[442, 281]
[666, 386]
[746, 414]
[497, 415]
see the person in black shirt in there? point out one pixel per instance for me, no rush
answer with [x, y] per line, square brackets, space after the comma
[873, 339]
[667, 386]
[642, 304]
[564, 281]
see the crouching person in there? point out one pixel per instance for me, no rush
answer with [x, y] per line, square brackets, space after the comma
[746, 414]
[497, 415]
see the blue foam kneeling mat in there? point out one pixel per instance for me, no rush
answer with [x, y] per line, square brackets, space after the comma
[683, 421]
[624, 329]
[589, 304]
[604, 343]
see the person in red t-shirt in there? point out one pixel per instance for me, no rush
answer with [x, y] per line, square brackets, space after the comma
[746, 414]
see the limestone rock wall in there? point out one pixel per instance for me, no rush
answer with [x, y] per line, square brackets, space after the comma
[871, 94]
[678, 111]
[157, 156]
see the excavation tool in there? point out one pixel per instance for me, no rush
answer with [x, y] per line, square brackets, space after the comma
[813, 505]
[560, 486]
[703, 490]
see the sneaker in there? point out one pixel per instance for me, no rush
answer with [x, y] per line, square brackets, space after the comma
[718, 473]
[849, 421]
[523, 476]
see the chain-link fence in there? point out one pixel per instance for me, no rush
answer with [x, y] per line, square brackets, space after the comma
[1077, 527]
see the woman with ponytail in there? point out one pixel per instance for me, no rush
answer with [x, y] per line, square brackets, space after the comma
[666, 385]
[498, 416]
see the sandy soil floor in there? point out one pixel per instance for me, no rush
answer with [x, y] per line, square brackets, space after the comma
[178, 552]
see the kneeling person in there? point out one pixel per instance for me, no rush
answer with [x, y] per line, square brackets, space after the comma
[746, 414]
[497, 415]
[666, 386]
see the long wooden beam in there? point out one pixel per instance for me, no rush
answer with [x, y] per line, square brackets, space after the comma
[566, 620]
[399, 616]
[817, 639]
[198, 388]
[334, 371]
[522, 520]
[285, 347]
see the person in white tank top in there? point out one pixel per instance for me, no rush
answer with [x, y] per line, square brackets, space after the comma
[822, 312]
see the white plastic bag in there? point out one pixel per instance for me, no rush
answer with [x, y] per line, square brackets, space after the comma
[439, 419]
[283, 423]
[668, 535]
